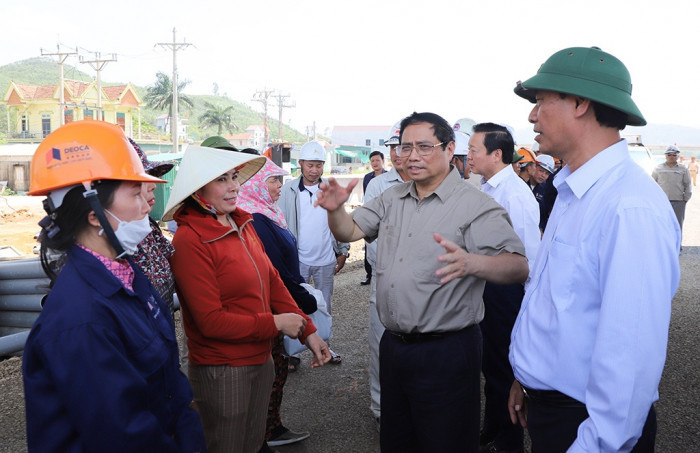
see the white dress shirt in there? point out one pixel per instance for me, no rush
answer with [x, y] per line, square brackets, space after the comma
[508, 190]
[594, 321]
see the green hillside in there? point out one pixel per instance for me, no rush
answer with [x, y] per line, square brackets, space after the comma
[44, 71]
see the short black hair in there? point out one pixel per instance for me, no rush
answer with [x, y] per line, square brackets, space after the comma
[441, 128]
[250, 151]
[497, 137]
[376, 153]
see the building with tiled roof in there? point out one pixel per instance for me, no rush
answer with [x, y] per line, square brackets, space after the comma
[34, 111]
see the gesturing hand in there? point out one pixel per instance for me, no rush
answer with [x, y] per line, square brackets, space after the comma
[459, 263]
[332, 195]
[290, 324]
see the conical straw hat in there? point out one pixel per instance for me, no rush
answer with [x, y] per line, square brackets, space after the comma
[201, 165]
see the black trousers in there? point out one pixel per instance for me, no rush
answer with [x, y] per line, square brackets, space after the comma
[553, 428]
[430, 392]
[502, 303]
[368, 267]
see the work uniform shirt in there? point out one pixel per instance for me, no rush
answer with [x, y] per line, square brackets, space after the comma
[410, 297]
[594, 321]
[375, 187]
[675, 181]
[507, 189]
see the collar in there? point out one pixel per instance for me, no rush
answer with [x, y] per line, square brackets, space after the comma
[392, 175]
[589, 173]
[302, 186]
[443, 190]
[503, 174]
[208, 228]
[95, 273]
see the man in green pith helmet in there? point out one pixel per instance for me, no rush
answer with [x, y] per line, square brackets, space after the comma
[589, 345]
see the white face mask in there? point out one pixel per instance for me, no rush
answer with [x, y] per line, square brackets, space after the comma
[130, 234]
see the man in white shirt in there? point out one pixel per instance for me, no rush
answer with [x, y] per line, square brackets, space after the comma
[589, 345]
[320, 255]
[491, 149]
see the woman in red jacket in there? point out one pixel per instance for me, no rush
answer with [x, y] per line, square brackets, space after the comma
[233, 301]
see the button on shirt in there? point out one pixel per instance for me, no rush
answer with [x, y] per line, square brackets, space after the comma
[508, 190]
[594, 321]
[410, 297]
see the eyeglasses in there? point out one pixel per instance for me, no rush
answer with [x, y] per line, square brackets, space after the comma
[423, 149]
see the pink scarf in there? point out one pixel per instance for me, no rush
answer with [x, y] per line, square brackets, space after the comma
[255, 198]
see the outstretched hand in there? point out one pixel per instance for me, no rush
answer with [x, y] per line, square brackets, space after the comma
[459, 263]
[332, 195]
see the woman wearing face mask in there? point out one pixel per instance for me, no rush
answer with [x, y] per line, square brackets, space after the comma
[155, 250]
[259, 196]
[234, 302]
[100, 366]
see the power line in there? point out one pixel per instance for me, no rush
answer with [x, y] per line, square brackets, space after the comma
[174, 46]
[281, 105]
[262, 96]
[98, 63]
[62, 55]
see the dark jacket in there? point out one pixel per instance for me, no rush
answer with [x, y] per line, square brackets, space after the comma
[101, 370]
[281, 248]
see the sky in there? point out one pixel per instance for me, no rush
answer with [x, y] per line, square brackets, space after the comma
[372, 62]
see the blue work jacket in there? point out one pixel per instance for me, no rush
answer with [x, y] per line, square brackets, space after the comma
[101, 369]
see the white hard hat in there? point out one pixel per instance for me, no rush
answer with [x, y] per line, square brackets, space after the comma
[464, 125]
[393, 135]
[535, 147]
[312, 151]
[546, 161]
[461, 143]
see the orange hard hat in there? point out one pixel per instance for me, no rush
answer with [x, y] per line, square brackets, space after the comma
[83, 152]
[527, 156]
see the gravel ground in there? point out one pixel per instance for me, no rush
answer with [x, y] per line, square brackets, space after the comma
[333, 402]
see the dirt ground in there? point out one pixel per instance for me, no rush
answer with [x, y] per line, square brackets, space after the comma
[19, 218]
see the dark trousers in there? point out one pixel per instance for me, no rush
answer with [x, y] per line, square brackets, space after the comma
[368, 267]
[502, 303]
[554, 428]
[430, 392]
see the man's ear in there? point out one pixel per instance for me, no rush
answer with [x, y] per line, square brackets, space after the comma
[498, 154]
[582, 106]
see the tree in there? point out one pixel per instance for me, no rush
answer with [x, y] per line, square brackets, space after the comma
[218, 116]
[159, 96]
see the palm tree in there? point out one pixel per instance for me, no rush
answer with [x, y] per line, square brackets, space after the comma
[159, 96]
[218, 116]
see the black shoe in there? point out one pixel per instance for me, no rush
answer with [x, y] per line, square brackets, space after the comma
[366, 281]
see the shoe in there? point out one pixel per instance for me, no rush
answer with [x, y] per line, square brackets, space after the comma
[366, 281]
[287, 436]
[491, 447]
[294, 363]
[266, 449]
[335, 359]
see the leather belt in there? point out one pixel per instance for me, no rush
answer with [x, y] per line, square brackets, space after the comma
[418, 337]
[551, 398]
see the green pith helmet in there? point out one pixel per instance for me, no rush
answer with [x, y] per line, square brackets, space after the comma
[589, 73]
[216, 141]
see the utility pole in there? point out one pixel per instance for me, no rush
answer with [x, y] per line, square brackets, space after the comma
[281, 104]
[61, 59]
[262, 97]
[98, 64]
[174, 46]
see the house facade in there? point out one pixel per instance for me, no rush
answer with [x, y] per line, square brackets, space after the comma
[253, 137]
[34, 111]
[353, 144]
